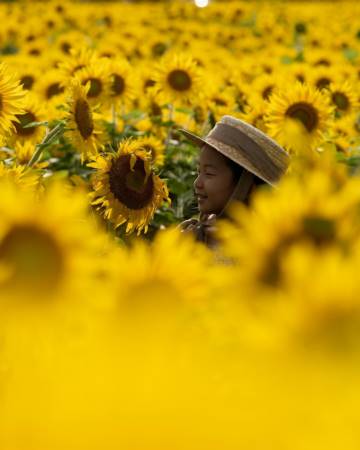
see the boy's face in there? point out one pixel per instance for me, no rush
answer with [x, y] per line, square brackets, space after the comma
[215, 182]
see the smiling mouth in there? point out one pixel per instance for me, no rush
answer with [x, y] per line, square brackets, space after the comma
[201, 197]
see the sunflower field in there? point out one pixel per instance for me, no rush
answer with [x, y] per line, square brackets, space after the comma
[117, 331]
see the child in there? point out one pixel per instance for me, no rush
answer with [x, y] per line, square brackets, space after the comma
[235, 158]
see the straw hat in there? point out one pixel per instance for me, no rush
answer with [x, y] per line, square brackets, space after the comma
[246, 146]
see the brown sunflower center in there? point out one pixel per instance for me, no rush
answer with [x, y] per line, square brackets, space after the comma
[54, 89]
[305, 113]
[131, 187]
[66, 47]
[179, 80]
[267, 92]
[33, 257]
[83, 118]
[219, 101]
[323, 83]
[158, 49]
[27, 81]
[340, 100]
[77, 68]
[25, 119]
[118, 85]
[96, 87]
[148, 84]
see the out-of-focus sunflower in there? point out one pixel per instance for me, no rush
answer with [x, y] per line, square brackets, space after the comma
[76, 60]
[84, 130]
[155, 147]
[298, 116]
[21, 176]
[344, 97]
[48, 245]
[50, 85]
[24, 152]
[178, 79]
[322, 215]
[125, 187]
[28, 73]
[11, 100]
[255, 115]
[157, 274]
[34, 111]
[98, 76]
[123, 87]
[222, 103]
[321, 77]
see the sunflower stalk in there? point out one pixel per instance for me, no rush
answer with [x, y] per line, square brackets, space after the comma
[48, 140]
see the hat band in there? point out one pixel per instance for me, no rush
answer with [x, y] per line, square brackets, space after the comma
[249, 149]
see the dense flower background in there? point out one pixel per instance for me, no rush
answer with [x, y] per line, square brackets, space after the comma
[119, 332]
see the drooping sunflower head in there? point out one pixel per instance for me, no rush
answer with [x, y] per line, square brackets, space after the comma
[125, 187]
[298, 116]
[83, 122]
[178, 79]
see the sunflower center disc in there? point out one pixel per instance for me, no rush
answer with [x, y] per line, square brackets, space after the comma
[305, 113]
[54, 89]
[95, 87]
[130, 187]
[118, 85]
[83, 118]
[340, 100]
[32, 255]
[27, 81]
[179, 80]
[323, 83]
[25, 119]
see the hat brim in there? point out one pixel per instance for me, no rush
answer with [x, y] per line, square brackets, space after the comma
[194, 138]
[199, 142]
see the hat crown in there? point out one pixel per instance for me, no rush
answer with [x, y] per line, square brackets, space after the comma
[247, 146]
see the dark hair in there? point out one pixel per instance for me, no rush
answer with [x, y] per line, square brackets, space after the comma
[237, 170]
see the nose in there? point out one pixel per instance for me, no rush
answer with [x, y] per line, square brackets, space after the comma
[198, 183]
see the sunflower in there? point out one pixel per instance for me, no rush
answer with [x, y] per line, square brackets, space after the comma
[34, 111]
[178, 79]
[76, 60]
[155, 147]
[344, 97]
[123, 89]
[125, 187]
[155, 285]
[322, 215]
[50, 85]
[298, 116]
[83, 122]
[11, 100]
[48, 246]
[24, 152]
[221, 103]
[98, 76]
[255, 116]
[21, 176]
[321, 77]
